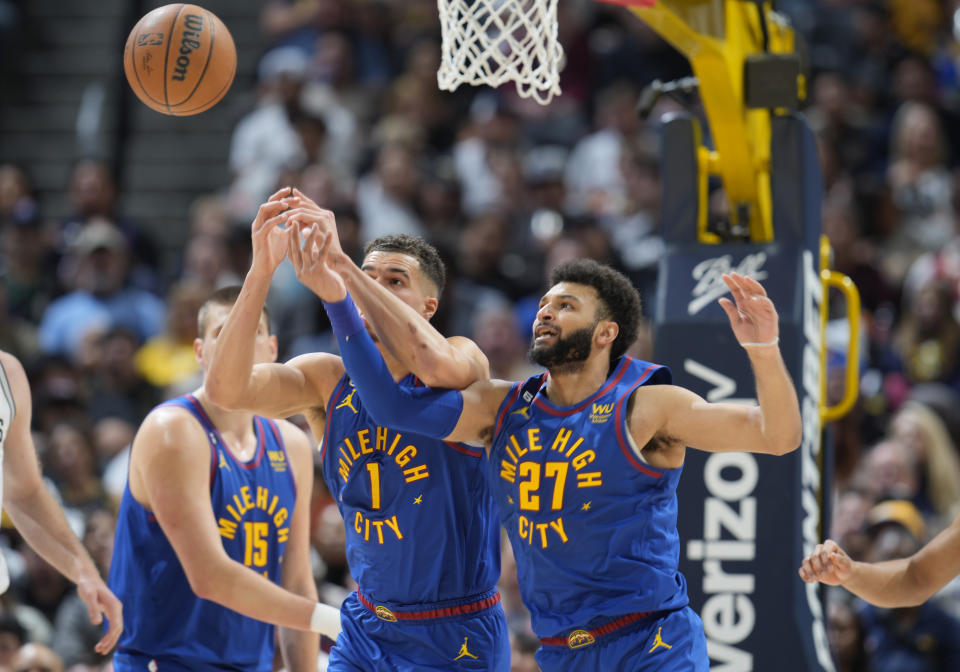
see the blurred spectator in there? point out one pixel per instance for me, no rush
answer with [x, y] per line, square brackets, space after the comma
[386, 196]
[849, 521]
[168, 359]
[892, 470]
[490, 126]
[915, 639]
[94, 199]
[36, 658]
[72, 464]
[28, 264]
[40, 591]
[295, 22]
[923, 430]
[17, 335]
[266, 140]
[16, 194]
[73, 635]
[523, 646]
[111, 441]
[594, 178]
[116, 389]
[100, 296]
[920, 187]
[500, 337]
[928, 338]
[12, 637]
[844, 633]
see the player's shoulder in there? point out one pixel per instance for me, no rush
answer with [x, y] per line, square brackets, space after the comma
[13, 370]
[169, 424]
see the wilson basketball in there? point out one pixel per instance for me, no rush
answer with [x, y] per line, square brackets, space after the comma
[180, 59]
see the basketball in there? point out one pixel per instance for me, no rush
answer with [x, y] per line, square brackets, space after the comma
[180, 59]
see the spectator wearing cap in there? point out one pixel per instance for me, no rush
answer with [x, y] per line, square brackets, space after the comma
[100, 296]
[94, 197]
[924, 638]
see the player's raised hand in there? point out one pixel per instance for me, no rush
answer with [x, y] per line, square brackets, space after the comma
[102, 602]
[268, 238]
[305, 212]
[828, 564]
[310, 261]
[752, 315]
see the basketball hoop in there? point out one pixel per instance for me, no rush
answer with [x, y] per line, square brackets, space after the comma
[497, 41]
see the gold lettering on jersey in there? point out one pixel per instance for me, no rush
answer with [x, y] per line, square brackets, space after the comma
[563, 442]
[246, 500]
[378, 440]
[600, 413]
[255, 534]
[373, 529]
[541, 533]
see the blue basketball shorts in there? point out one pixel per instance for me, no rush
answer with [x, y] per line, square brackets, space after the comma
[448, 637]
[670, 642]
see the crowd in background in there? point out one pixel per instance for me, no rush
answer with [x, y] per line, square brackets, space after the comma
[349, 111]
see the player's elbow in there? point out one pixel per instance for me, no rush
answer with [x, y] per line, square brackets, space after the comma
[786, 444]
[205, 584]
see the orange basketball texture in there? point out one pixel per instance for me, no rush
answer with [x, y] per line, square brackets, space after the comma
[180, 59]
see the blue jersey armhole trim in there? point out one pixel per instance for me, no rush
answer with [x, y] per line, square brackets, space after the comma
[275, 428]
[337, 391]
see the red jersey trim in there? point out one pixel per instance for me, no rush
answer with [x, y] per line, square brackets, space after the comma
[618, 418]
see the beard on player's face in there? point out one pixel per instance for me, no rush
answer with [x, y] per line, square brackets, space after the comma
[567, 354]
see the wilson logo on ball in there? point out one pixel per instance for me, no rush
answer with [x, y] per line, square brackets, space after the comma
[189, 43]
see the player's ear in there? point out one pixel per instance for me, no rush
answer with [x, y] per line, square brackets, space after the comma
[274, 348]
[607, 332]
[430, 306]
[198, 350]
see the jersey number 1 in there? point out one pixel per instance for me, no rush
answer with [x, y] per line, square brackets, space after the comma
[374, 469]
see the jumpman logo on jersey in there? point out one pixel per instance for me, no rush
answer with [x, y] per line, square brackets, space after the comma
[419, 499]
[348, 402]
[464, 652]
[223, 461]
[525, 412]
[657, 641]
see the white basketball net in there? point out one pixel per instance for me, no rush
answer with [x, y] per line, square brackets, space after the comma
[496, 41]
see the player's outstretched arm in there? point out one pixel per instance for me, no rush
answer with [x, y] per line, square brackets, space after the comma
[773, 426]
[40, 520]
[903, 582]
[169, 474]
[298, 648]
[411, 339]
[273, 390]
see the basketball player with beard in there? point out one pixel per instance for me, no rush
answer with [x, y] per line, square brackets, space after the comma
[584, 460]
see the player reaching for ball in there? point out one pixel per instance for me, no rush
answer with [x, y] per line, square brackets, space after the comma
[584, 460]
[422, 539]
[212, 541]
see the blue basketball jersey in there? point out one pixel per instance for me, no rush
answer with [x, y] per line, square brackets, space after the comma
[164, 620]
[418, 511]
[593, 528]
